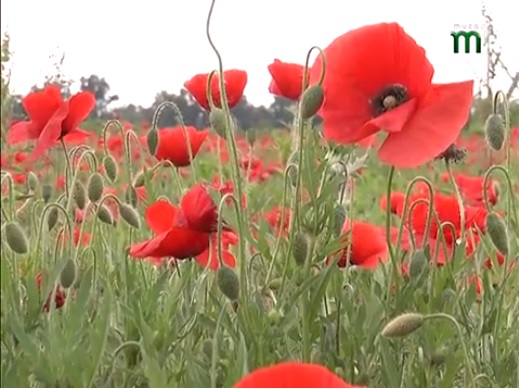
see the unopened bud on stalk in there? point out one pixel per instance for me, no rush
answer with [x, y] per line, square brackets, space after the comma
[250, 135]
[228, 282]
[16, 238]
[46, 192]
[218, 121]
[495, 132]
[52, 218]
[139, 181]
[403, 325]
[110, 167]
[104, 215]
[300, 248]
[418, 263]
[129, 215]
[207, 348]
[131, 195]
[32, 182]
[340, 218]
[152, 140]
[79, 195]
[292, 172]
[312, 101]
[95, 187]
[496, 230]
[68, 274]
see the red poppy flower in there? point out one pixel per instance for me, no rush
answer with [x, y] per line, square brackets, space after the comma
[368, 246]
[173, 145]
[471, 189]
[235, 82]
[52, 118]
[287, 79]
[59, 294]
[378, 78]
[292, 375]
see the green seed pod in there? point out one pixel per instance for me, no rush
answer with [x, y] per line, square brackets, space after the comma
[95, 187]
[218, 122]
[131, 195]
[68, 274]
[110, 167]
[300, 248]
[292, 173]
[152, 140]
[129, 215]
[403, 325]
[46, 192]
[339, 219]
[496, 229]
[32, 182]
[52, 218]
[418, 263]
[16, 238]
[312, 101]
[139, 180]
[495, 132]
[79, 195]
[104, 215]
[228, 282]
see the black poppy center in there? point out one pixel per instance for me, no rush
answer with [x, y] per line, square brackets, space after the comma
[389, 98]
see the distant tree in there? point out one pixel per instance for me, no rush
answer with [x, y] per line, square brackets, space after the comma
[100, 88]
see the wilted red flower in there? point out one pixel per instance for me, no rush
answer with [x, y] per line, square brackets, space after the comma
[174, 148]
[368, 246]
[287, 79]
[52, 118]
[59, 294]
[292, 375]
[378, 78]
[235, 82]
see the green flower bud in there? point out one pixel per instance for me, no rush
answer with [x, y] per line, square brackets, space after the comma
[300, 248]
[95, 187]
[218, 122]
[16, 238]
[495, 132]
[79, 195]
[152, 140]
[403, 325]
[52, 218]
[110, 167]
[228, 283]
[68, 274]
[32, 182]
[496, 229]
[131, 195]
[46, 192]
[105, 215]
[312, 101]
[129, 215]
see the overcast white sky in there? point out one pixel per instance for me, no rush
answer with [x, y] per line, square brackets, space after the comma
[143, 47]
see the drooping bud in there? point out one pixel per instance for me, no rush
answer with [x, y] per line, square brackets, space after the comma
[250, 135]
[68, 274]
[139, 180]
[495, 132]
[32, 181]
[228, 283]
[104, 214]
[129, 215]
[110, 167]
[95, 187]
[16, 238]
[79, 195]
[292, 172]
[339, 219]
[217, 121]
[403, 325]
[52, 218]
[46, 192]
[131, 195]
[496, 230]
[418, 263]
[300, 248]
[152, 140]
[207, 348]
[312, 101]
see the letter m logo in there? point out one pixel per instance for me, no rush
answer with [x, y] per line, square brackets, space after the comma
[467, 36]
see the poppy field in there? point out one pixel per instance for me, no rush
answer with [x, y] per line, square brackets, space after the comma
[378, 248]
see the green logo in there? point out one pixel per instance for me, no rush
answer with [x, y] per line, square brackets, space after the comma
[467, 36]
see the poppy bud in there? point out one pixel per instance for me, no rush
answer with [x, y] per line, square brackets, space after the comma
[418, 263]
[292, 173]
[228, 282]
[218, 122]
[139, 181]
[79, 195]
[340, 218]
[131, 195]
[104, 215]
[250, 135]
[16, 238]
[32, 181]
[110, 167]
[495, 132]
[68, 274]
[46, 192]
[95, 187]
[207, 348]
[496, 230]
[274, 316]
[312, 101]
[275, 284]
[300, 248]
[152, 140]
[129, 215]
[439, 356]
[403, 325]
[52, 218]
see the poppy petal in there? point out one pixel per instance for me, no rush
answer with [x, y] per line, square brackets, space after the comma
[19, 133]
[80, 106]
[41, 105]
[160, 216]
[51, 133]
[435, 125]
